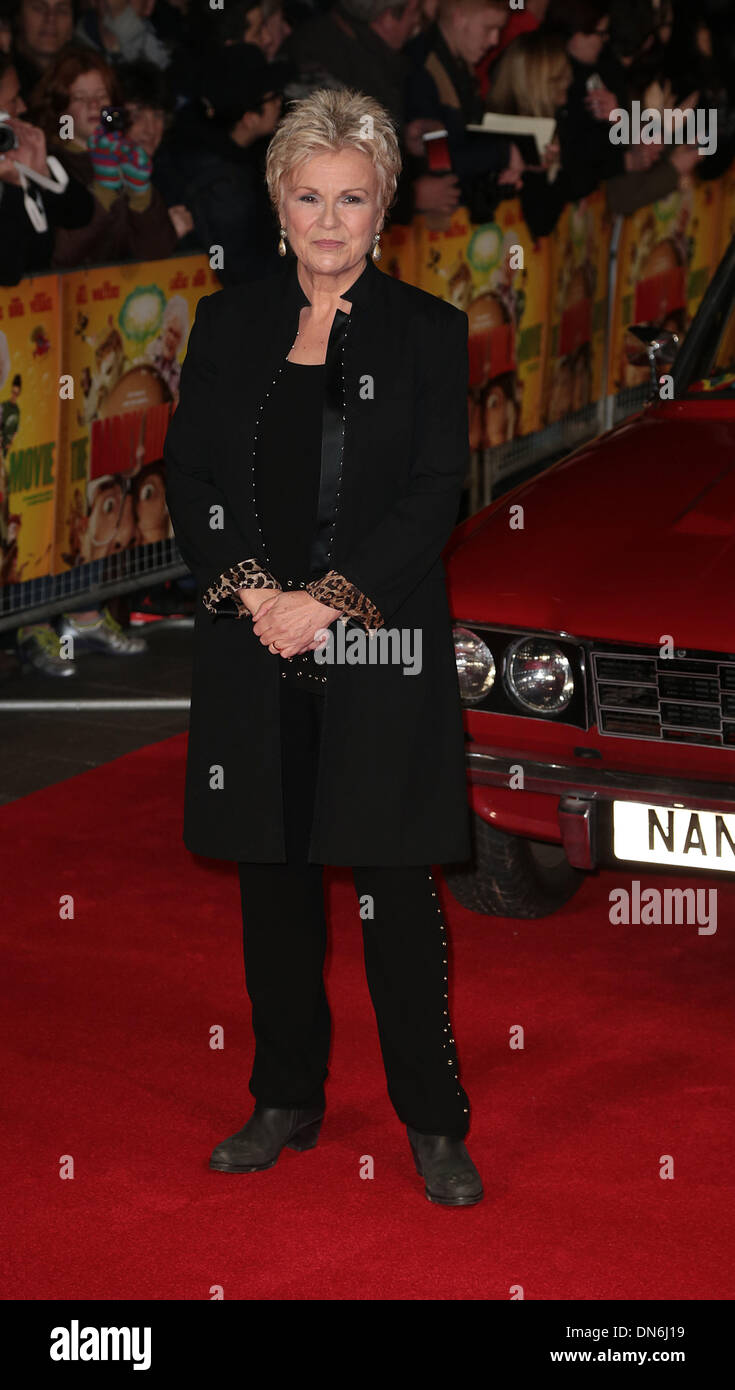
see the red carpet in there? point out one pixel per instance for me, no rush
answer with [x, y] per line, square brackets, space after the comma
[628, 1057]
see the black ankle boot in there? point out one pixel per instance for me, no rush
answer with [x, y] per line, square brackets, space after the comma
[447, 1169]
[258, 1144]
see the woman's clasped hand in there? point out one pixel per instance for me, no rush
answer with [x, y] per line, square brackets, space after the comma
[288, 623]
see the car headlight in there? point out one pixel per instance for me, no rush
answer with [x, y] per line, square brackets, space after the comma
[475, 664]
[539, 676]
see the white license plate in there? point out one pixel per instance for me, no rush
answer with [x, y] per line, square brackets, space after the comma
[677, 836]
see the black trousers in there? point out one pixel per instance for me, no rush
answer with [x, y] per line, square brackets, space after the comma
[405, 947]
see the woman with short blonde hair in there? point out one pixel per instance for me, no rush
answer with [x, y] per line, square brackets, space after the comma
[315, 465]
[334, 120]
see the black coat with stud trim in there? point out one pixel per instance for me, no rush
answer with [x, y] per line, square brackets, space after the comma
[391, 786]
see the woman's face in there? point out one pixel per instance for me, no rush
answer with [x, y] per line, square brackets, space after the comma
[586, 48]
[146, 126]
[331, 210]
[87, 96]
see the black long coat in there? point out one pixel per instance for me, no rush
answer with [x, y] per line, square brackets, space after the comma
[391, 784]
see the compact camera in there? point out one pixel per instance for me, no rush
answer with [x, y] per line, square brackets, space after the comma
[114, 118]
[8, 137]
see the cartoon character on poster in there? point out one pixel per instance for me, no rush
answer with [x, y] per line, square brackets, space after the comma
[123, 510]
[116, 377]
[100, 379]
[495, 310]
[131, 371]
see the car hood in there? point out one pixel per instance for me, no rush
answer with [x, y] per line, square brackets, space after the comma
[630, 539]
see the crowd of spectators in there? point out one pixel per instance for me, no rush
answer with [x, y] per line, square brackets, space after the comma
[191, 93]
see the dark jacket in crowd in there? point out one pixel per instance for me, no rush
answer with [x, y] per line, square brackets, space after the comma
[223, 186]
[588, 155]
[443, 88]
[119, 229]
[23, 250]
[28, 74]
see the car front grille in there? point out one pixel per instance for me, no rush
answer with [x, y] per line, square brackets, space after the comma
[687, 699]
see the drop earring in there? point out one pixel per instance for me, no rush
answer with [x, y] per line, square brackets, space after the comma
[282, 243]
[376, 252]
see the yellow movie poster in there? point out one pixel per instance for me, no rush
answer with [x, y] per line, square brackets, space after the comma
[124, 336]
[398, 253]
[666, 258]
[29, 420]
[580, 251]
[499, 275]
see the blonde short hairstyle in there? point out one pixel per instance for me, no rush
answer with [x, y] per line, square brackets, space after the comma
[328, 121]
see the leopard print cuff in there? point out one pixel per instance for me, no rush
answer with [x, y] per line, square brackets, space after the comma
[338, 592]
[247, 574]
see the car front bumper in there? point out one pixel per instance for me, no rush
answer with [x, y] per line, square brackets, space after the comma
[582, 791]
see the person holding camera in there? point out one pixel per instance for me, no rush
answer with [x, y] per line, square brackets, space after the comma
[27, 241]
[130, 220]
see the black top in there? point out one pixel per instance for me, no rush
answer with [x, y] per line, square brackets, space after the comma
[287, 473]
[26, 251]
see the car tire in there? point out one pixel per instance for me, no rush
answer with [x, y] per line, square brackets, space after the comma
[508, 876]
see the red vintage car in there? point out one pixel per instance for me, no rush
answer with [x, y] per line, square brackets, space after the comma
[595, 643]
